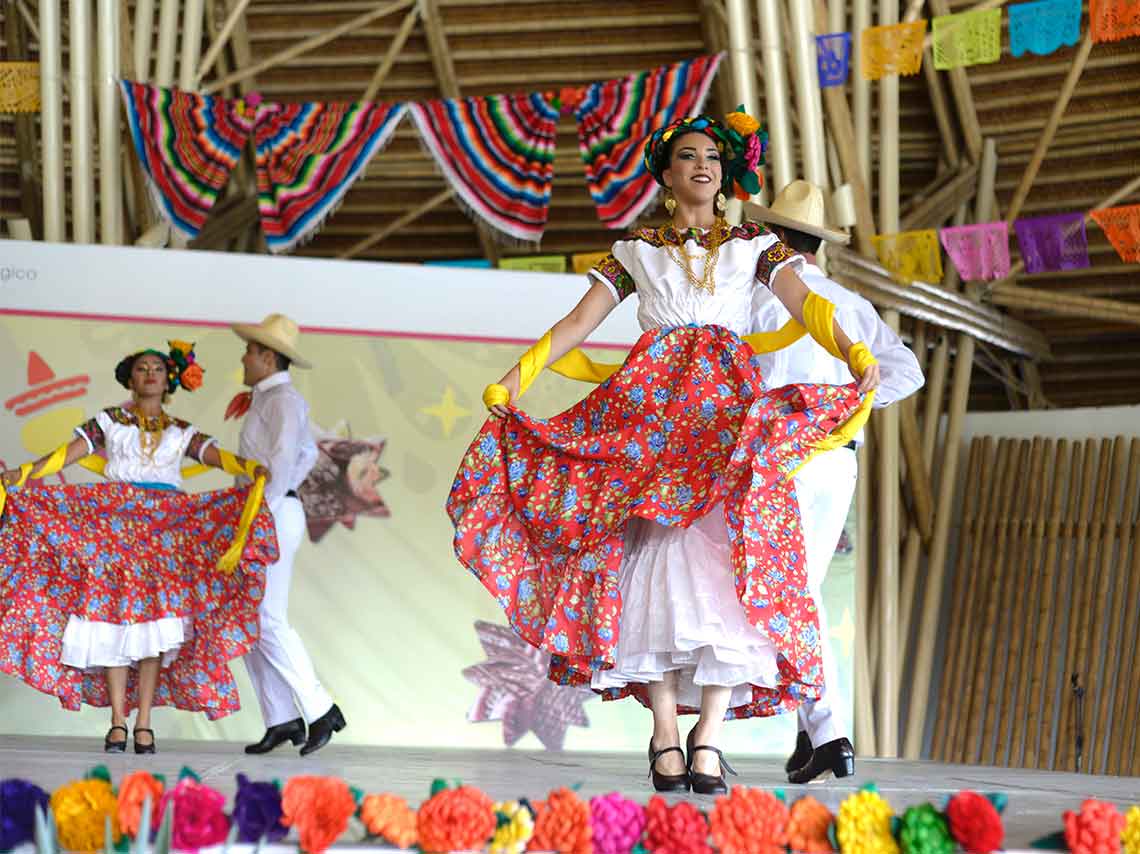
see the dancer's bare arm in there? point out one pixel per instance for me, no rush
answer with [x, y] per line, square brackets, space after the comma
[76, 450]
[790, 289]
[567, 334]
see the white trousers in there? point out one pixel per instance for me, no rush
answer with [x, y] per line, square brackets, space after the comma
[825, 487]
[279, 667]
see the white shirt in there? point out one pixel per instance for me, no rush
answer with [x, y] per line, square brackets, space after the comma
[275, 432]
[807, 362]
[665, 295]
[116, 430]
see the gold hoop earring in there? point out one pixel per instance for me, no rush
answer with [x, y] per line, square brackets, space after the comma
[721, 202]
[670, 203]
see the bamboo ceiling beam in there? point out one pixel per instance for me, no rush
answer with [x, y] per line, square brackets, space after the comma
[940, 206]
[406, 26]
[398, 223]
[963, 97]
[233, 217]
[31, 195]
[1066, 304]
[449, 86]
[221, 39]
[307, 45]
[29, 19]
[937, 94]
[1051, 126]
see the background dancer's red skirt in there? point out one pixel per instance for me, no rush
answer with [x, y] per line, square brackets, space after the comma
[122, 555]
[540, 507]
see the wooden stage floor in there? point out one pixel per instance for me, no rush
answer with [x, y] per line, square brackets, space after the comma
[1036, 798]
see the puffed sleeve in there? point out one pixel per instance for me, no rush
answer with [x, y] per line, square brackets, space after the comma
[198, 444]
[772, 256]
[612, 273]
[92, 433]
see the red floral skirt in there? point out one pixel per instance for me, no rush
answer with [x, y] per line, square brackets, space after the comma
[124, 555]
[540, 507]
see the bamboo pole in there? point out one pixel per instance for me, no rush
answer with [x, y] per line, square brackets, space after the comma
[308, 44]
[17, 41]
[806, 80]
[143, 36]
[955, 631]
[1046, 609]
[167, 42]
[79, 97]
[861, 87]
[1133, 720]
[1064, 752]
[406, 26]
[1114, 311]
[1046, 138]
[192, 12]
[742, 64]
[916, 472]
[963, 97]
[398, 223]
[985, 659]
[865, 740]
[775, 94]
[933, 399]
[110, 173]
[941, 109]
[1094, 642]
[1032, 629]
[1015, 627]
[221, 40]
[1123, 715]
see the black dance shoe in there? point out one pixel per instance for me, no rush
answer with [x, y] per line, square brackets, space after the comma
[801, 755]
[144, 748]
[707, 784]
[321, 730]
[275, 736]
[836, 757]
[115, 746]
[666, 782]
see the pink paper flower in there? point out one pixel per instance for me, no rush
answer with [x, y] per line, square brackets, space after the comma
[199, 816]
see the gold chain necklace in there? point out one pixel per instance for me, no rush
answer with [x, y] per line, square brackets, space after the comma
[707, 282]
[151, 429]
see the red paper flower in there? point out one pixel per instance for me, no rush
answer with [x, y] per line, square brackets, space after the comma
[199, 815]
[319, 807]
[680, 829]
[749, 821]
[975, 823]
[461, 819]
[1096, 829]
[563, 824]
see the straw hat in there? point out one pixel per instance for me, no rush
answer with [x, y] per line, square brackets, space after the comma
[277, 332]
[799, 207]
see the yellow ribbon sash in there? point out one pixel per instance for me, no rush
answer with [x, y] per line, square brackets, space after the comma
[230, 465]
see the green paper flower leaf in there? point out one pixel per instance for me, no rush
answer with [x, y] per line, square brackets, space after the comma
[188, 773]
[438, 785]
[999, 800]
[99, 772]
[1052, 842]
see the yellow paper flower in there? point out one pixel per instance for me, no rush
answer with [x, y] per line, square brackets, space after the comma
[742, 123]
[184, 346]
[516, 827]
[1131, 835]
[81, 809]
[863, 825]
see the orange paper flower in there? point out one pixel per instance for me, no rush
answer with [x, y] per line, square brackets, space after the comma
[749, 821]
[133, 792]
[563, 824]
[808, 822]
[459, 819]
[81, 809]
[319, 807]
[390, 818]
[191, 378]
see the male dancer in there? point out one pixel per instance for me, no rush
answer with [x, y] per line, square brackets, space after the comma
[826, 485]
[275, 432]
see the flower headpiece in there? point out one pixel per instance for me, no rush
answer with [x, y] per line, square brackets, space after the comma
[741, 140]
[182, 369]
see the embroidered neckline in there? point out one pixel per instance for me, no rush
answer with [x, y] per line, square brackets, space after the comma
[669, 235]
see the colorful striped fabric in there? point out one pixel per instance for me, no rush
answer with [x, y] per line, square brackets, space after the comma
[615, 117]
[308, 157]
[188, 144]
[498, 154]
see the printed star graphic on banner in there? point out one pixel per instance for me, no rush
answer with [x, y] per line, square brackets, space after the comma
[513, 688]
[343, 483]
[447, 411]
[844, 632]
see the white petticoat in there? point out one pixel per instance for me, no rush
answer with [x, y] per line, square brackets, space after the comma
[89, 644]
[680, 612]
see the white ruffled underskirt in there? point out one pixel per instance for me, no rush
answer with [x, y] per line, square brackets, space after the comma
[90, 644]
[680, 612]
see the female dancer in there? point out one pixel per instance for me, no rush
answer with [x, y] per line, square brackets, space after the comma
[120, 580]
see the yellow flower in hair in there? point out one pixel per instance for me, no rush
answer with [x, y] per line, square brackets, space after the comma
[184, 346]
[81, 808]
[742, 123]
[666, 136]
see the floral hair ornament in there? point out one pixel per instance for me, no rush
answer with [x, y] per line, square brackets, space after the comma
[741, 139]
[182, 368]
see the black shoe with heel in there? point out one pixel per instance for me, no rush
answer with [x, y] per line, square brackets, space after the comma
[707, 784]
[277, 735]
[115, 746]
[321, 730]
[144, 748]
[836, 758]
[666, 782]
[801, 755]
